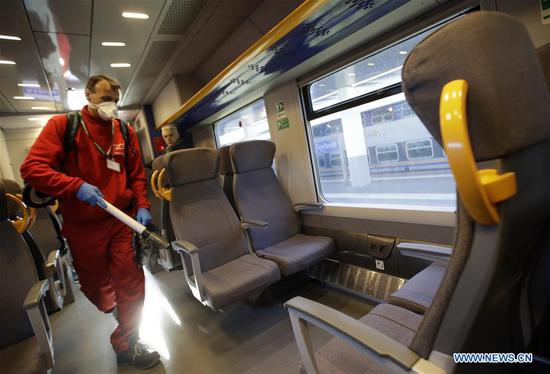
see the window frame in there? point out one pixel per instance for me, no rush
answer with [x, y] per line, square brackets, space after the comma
[446, 214]
[387, 145]
[216, 123]
[418, 141]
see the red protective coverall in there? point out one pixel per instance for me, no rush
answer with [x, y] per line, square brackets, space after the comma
[101, 245]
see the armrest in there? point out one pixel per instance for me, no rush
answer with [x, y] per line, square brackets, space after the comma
[443, 249]
[35, 294]
[350, 329]
[298, 207]
[193, 275]
[185, 246]
[51, 263]
[249, 223]
[40, 322]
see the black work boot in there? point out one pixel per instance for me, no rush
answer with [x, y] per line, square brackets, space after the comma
[138, 356]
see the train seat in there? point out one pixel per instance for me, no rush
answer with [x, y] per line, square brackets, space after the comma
[397, 323]
[45, 246]
[22, 310]
[259, 196]
[209, 233]
[494, 126]
[226, 174]
[418, 292]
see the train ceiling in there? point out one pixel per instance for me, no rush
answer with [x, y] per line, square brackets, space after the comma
[48, 48]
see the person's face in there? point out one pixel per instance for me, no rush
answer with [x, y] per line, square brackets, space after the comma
[102, 92]
[170, 136]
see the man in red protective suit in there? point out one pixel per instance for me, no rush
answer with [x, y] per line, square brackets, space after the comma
[100, 165]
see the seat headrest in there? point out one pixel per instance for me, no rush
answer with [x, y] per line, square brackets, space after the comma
[11, 186]
[508, 104]
[225, 161]
[252, 155]
[158, 163]
[4, 214]
[191, 165]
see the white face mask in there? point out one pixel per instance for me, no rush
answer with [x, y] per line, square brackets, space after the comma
[106, 110]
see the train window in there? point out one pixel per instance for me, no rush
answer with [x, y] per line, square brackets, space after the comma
[420, 149]
[386, 153]
[366, 76]
[369, 146]
[249, 123]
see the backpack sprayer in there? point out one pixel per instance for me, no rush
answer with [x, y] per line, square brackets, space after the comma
[37, 199]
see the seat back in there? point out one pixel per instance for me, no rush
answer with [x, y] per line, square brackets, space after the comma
[226, 174]
[17, 275]
[480, 306]
[200, 211]
[258, 194]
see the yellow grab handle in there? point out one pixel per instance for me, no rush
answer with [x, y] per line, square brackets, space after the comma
[154, 181]
[20, 224]
[32, 212]
[479, 190]
[165, 193]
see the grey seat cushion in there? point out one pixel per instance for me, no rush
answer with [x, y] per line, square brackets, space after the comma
[239, 278]
[22, 358]
[418, 292]
[298, 252]
[339, 357]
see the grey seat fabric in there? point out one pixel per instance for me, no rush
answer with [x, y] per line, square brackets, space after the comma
[259, 196]
[298, 252]
[337, 356]
[226, 174]
[239, 278]
[418, 292]
[18, 274]
[202, 215]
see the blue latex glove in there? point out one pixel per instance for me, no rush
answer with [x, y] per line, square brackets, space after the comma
[143, 216]
[91, 195]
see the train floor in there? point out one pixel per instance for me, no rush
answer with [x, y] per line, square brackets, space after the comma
[191, 338]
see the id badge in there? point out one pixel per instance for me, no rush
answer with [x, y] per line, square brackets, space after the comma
[113, 165]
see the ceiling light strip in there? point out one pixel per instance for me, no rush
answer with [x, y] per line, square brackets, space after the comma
[120, 65]
[135, 15]
[113, 44]
[9, 37]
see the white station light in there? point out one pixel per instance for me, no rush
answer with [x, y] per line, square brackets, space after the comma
[7, 62]
[76, 99]
[40, 108]
[28, 85]
[23, 98]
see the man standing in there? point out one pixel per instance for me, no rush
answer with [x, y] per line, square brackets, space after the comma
[101, 164]
[172, 138]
